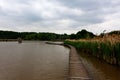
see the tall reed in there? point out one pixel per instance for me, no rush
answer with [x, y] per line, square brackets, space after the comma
[106, 50]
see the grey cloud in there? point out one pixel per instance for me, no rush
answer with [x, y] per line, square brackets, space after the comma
[29, 17]
[82, 4]
[92, 9]
[57, 14]
[2, 12]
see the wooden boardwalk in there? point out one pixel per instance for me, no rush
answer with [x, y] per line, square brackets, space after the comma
[77, 70]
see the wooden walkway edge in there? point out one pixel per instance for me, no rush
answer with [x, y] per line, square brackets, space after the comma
[77, 70]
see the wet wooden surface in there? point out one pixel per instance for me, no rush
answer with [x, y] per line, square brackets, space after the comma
[77, 70]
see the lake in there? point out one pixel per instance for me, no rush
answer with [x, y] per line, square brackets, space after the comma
[33, 60]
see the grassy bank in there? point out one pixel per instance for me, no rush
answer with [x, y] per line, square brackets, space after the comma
[105, 50]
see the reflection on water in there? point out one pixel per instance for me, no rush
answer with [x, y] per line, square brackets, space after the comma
[99, 70]
[33, 61]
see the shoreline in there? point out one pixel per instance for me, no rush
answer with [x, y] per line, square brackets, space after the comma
[5, 40]
[77, 70]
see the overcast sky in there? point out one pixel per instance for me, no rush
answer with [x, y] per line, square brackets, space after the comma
[60, 16]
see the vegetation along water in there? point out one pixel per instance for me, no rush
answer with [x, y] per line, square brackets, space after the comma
[104, 49]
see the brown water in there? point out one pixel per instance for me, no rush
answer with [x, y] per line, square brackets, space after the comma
[100, 70]
[33, 60]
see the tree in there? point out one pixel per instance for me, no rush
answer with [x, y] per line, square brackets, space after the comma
[73, 36]
[84, 34]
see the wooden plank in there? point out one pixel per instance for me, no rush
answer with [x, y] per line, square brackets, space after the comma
[77, 70]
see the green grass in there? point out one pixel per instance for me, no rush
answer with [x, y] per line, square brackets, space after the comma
[103, 50]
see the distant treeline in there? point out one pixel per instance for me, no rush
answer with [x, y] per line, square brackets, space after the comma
[32, 35]
[43, 35]
[46, 36]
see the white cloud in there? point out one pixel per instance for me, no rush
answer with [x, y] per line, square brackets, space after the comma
[60, 16]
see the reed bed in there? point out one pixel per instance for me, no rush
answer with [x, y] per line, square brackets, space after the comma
[107, 49]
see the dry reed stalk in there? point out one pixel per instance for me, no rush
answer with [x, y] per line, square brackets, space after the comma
[113, 39]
